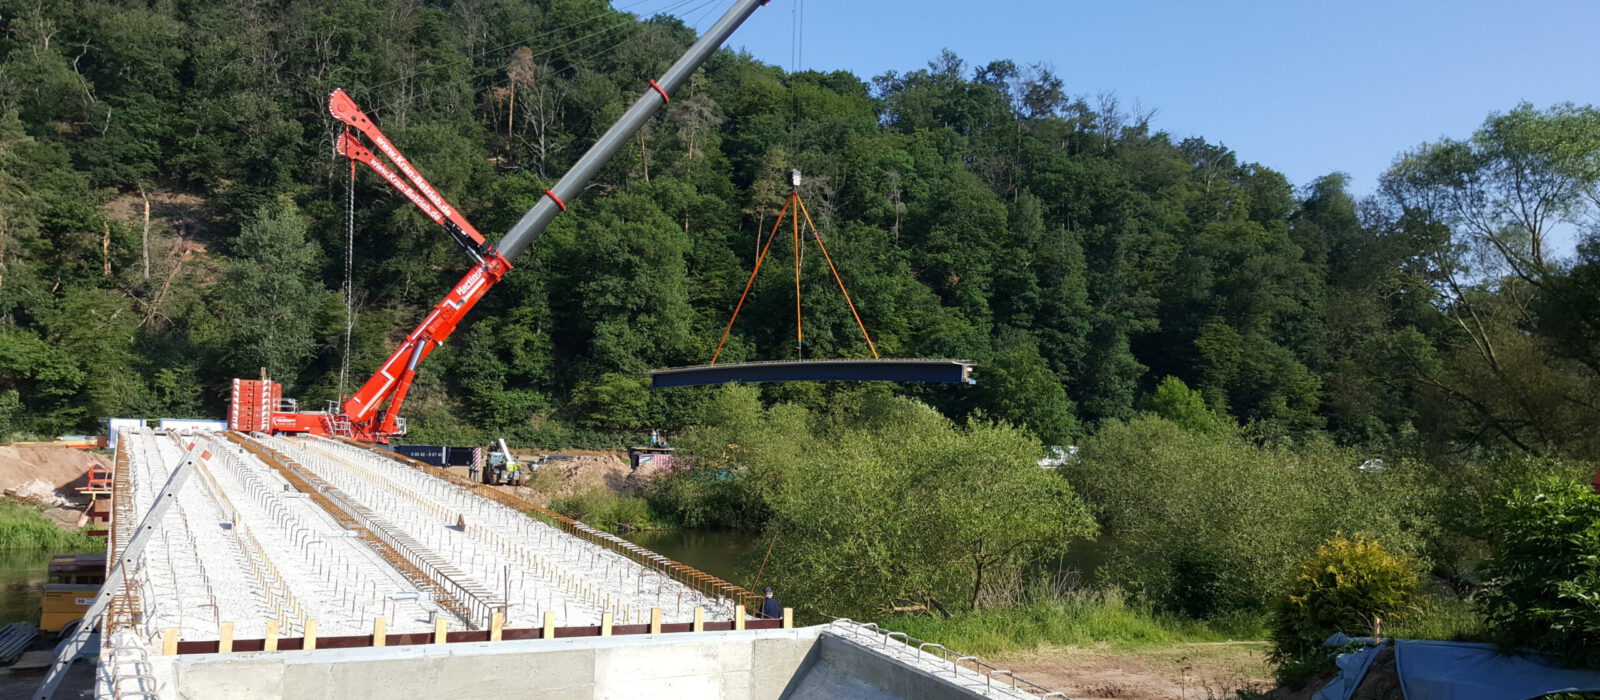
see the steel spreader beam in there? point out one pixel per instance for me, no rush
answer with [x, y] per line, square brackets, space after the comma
[878, 370]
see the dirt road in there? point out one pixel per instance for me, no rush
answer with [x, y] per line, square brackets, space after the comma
[1183, 671]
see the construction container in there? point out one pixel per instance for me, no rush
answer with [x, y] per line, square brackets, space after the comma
[78, 568]
[435, 455]
[65, 602]
[442, 455]
[464, 456]
[115, 424]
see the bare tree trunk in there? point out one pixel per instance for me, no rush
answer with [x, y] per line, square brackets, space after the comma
[105, 250]
[644, 152]
[977, 579]
[144, 241]
[2, 247]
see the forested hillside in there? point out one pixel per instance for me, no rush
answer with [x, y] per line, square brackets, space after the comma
[174, 217]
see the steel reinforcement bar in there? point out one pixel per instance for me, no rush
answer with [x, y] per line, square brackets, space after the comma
[693, 578]
[468, 602]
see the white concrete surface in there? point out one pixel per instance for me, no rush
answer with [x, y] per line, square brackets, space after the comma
[242, 546]
[531, 565]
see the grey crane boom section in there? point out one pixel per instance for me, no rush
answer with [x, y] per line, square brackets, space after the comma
[527, 230]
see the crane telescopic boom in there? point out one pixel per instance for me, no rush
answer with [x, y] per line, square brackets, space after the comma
[372, 413]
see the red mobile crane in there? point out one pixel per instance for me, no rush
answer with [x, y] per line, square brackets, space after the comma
[372, 414]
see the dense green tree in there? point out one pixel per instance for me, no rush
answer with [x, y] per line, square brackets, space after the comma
[1545, 580]
[1176, 402]
[269, 296]
[1017, 387]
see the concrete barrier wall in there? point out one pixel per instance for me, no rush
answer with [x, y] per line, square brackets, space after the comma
[729, 665]
[796, 664]
[842, 669]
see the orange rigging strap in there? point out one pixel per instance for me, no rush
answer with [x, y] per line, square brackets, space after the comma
[763, 256]
[794, 207]
[799, 334]
[818, 235]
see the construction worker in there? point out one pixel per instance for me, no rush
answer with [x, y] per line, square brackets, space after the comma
[513, 472]
[771, 609]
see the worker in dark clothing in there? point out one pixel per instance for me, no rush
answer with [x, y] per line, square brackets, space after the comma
[771, 609]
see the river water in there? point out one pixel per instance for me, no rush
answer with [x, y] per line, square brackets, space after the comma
[724, 554]
[735, 556]
[22, 578]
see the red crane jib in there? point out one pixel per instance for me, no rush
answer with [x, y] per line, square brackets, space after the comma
[344, 109]
[372, 413]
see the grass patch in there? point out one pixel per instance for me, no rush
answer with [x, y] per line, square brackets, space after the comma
[1445, 618]
[1074, 619]
[609, 511]
[24, 528]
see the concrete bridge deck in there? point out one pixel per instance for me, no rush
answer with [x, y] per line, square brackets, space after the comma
[310, 567]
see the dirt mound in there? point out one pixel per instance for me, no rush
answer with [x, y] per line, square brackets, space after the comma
[573, 472]
[46, 473]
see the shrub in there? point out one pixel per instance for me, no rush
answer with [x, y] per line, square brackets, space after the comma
[1208, 523]
[1544, 571]
[1341, 588]
[606, 510]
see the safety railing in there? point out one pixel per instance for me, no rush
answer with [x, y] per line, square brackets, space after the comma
[940, 659]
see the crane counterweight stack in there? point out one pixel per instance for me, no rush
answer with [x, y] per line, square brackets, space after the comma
[372, 413]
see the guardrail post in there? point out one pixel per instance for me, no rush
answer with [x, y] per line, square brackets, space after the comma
[655, 620]
[738, 617]
[380, 632]
[605, 624]
[497, 623]
[225, 638]
[788, 618]
[438, 630]
[271, 642]
[311, 634]
[549, 624]
[699, 619]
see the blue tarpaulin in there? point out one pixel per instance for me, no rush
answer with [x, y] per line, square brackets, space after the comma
[1430, 670]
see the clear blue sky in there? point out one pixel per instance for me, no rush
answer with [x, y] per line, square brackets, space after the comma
[1305, 88]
